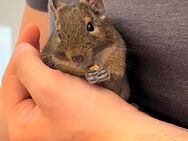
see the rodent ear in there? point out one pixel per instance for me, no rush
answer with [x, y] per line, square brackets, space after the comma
[55, 4]
[97, 6]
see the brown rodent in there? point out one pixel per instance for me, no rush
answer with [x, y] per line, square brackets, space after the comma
[84, 43]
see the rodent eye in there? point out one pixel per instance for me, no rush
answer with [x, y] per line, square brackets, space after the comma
[90, 27]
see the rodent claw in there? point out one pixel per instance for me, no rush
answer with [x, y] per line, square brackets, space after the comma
[98, 76]
[92, 78]
[102, 72]
[103, 76]
[93, 82]
[92, 73]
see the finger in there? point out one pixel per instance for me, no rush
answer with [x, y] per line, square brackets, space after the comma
[31, 35]
[42, 82]
[14, 91]
[31, 71]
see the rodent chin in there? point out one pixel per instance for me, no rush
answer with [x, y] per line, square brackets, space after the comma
[85, 67]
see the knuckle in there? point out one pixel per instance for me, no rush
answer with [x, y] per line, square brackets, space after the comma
[49, 89]
[22, 50]
[21, 55]
[47, 97]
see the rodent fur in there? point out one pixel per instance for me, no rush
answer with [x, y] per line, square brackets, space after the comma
[104, 46]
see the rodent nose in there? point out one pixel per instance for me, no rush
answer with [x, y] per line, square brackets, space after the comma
[78, 58]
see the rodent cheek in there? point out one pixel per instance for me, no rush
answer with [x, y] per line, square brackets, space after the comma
[89, 59]
[96, 31]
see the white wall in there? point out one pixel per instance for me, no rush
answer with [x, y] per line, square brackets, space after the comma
[11, 12]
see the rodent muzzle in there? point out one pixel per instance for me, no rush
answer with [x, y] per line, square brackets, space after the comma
[77, 59]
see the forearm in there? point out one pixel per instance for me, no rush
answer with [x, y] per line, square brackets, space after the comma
[141, 127]
[40, 19]
[155, 130]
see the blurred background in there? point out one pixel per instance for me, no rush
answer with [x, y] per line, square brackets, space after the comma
[11, 12]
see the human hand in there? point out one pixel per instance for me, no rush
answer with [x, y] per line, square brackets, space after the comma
[43, 104]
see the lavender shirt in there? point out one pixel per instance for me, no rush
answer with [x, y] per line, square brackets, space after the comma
[157, 34]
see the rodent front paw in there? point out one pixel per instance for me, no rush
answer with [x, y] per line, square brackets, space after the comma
[97, 76]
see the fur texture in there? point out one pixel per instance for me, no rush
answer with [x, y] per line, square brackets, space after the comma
[102, 46]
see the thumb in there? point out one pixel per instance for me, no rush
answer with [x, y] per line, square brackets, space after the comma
[15, 91]
[30, 35]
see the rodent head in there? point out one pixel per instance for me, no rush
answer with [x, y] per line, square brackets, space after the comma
[81, 30]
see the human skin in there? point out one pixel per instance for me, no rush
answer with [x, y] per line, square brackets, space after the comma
[42, 24]
[145, 128]
[3, 132]
[45, 104]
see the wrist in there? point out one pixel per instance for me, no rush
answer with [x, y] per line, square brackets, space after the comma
[136, 126]
[144, 127]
